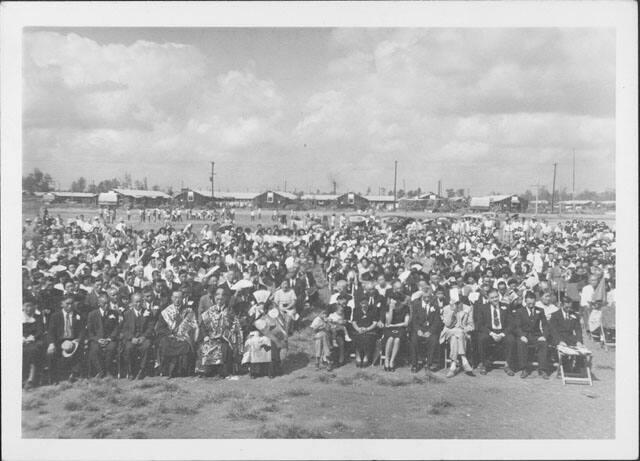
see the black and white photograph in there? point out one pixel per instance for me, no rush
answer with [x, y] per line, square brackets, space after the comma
[225, 230]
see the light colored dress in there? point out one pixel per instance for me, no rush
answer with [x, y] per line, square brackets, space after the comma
[458, 324]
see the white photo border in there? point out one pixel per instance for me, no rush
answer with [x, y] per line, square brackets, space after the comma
[621, 15]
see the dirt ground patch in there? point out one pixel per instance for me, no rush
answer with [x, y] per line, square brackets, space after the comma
[346, 403]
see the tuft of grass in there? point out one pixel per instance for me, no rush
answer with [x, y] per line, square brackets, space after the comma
[345, 381]
[240, 411]
[130, 419]
[296, 392]
[340, 426]
[32, 404]
[170, 387]
[289, 431]
[139, 401]
[178, 409]
[91, 407]
[325, 378]
[364, 376]
[72, 405]
[439, 406]
[393, 382]
[93, 422]
[301, 377]
[270, 408]
[101, 433]
[223, 396]
[148, 384]
[50, 393]
[63, 386]
[138, 435]
[40, 424]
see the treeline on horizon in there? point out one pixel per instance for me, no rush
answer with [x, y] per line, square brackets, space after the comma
[38, 181]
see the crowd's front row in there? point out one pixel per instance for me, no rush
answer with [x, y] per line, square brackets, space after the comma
[212, 339]
[379, 327]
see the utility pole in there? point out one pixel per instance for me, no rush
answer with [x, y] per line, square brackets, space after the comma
[212, 173]
[553, 189]
[395, 179]
[285, 184]
[573, 187]
[439, 188]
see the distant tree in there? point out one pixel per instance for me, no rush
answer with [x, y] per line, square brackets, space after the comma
[144, 183]
[400, 193]
[37, 181]
[108, 184]
[79, 185]
[587, 195]
[169, 190]
[544, 194]
[368, 190]
[92, 188]
[528, 195]
[450, 193]
[155, 187]
[139, 185]
[126, 182]
[459, 192]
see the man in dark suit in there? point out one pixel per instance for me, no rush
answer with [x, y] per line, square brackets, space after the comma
[494, 328]
[136, 332]
[565, 326]
[424, 329]
[66, 341]
[530, 328]
[102, 332]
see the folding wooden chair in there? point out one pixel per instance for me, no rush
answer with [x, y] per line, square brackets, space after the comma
[575, 377]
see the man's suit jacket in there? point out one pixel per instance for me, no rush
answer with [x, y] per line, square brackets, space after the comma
[424, 319]
[524, 325]
[565, 330]
[136, 326]
[485, 324]
[99, 327]
[56, 327]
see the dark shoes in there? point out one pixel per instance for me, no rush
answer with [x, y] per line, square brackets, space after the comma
[509, 371]
[482, 370]
[414, 369]
[524, 374]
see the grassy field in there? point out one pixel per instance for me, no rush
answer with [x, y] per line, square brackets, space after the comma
[345, 403]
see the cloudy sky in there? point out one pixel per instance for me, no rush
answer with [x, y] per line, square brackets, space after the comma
[480, 109]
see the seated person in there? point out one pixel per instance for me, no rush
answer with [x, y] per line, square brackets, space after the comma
[338, 327]
[494, 328]
[32, 344]
[136, 335]
[529, 325]
[176, 331]
[457, 321]
[322, 337]
[220, 338]
[365, 324]
[66, 340]
[424, 329]
[396, 323]
[566, 332]
[102, 333]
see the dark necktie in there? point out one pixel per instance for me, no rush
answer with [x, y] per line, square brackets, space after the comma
[496, 319]
[67, 326]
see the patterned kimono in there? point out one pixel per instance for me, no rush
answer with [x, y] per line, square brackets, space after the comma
[177, 330]
[224, 343]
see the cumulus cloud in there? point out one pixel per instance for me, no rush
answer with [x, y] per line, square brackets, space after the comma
[440, 101]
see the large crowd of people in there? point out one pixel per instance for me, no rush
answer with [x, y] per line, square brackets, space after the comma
[456, 294]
